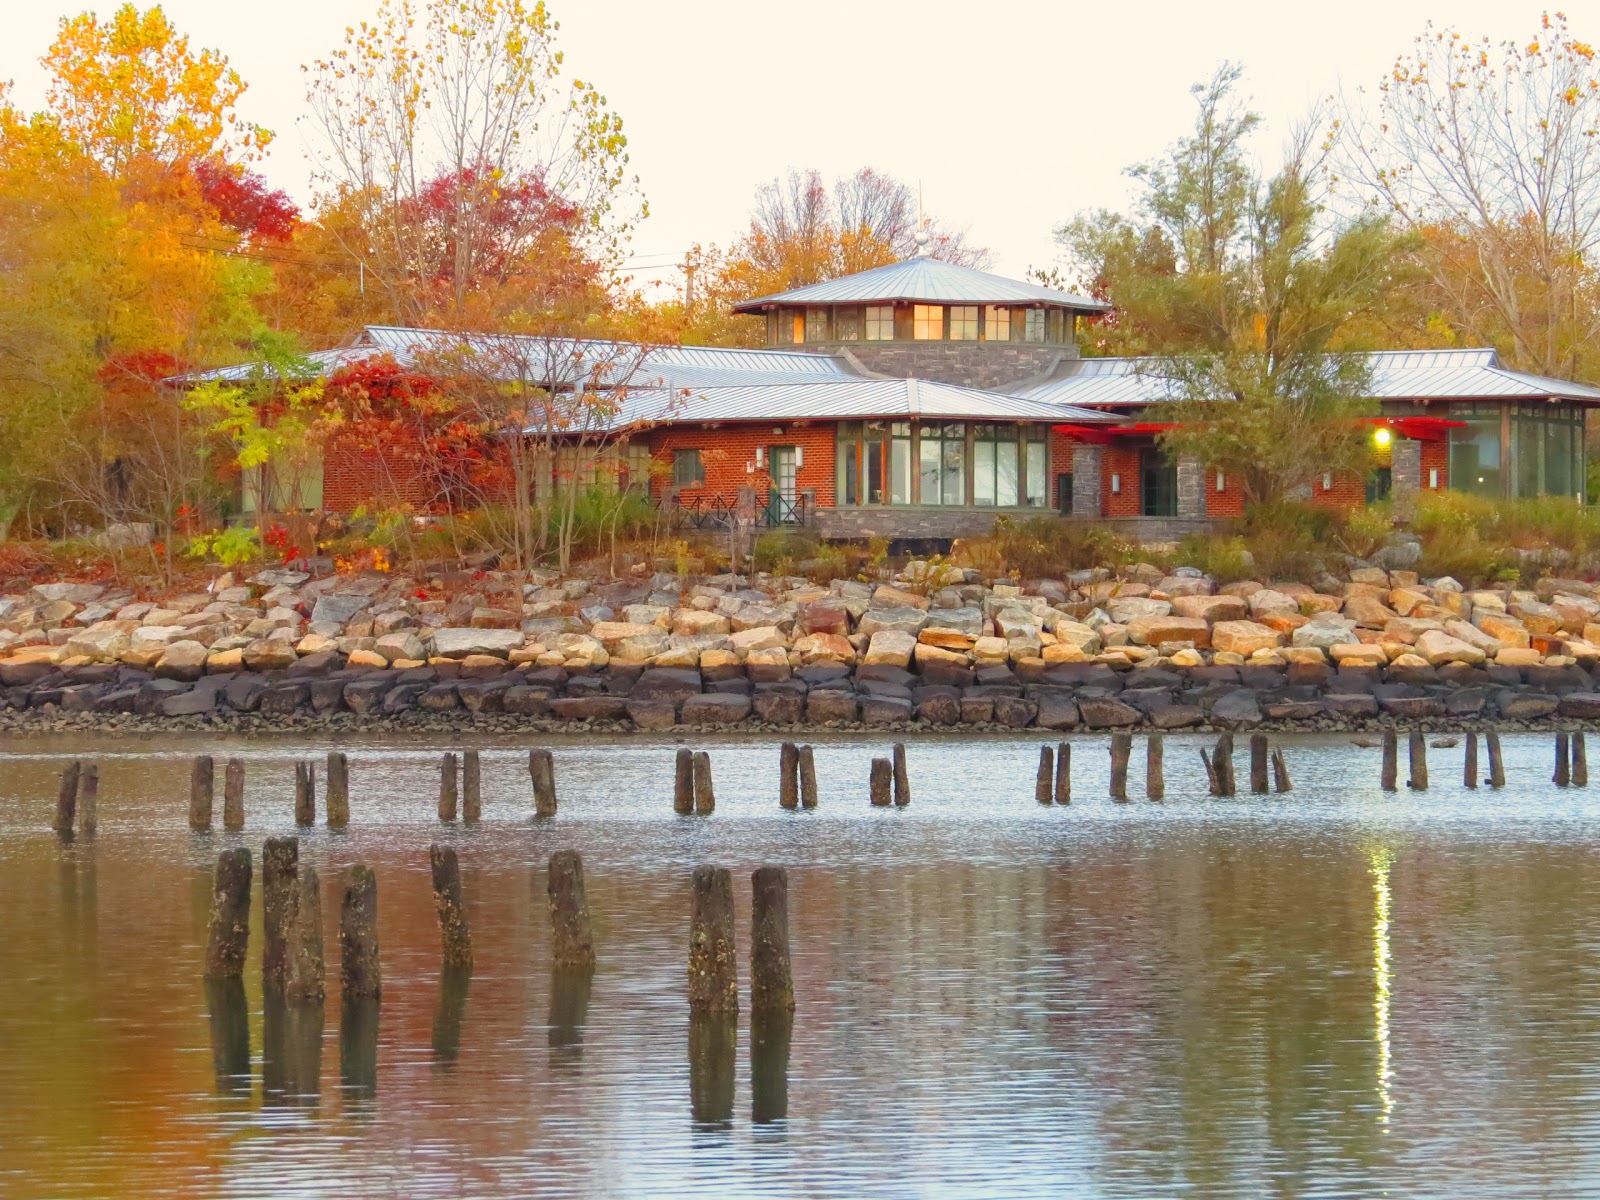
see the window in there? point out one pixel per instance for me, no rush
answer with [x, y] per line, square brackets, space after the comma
[1033, 331]
[964, 323]
[996, 323]
[799, 328]
[900, 463]
[1036, 464]
[880, 323]
[1158, 484]
[927, 322]
[816, 325]
[942, 457]
[994, 465]
[687, 469]
[847, 324]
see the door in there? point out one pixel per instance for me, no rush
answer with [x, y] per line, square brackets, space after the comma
[784, 467]
[1158, 484]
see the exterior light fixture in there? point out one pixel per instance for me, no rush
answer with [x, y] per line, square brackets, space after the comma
[1327, 481]
[1220, 481]
[1116, 485]
[1382, 435]
[761, 456]
[799, 457]
[1433, 477]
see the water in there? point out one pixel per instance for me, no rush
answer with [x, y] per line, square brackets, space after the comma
[1334, 993]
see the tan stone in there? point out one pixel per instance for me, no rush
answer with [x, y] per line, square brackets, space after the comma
[315, 643]
[1188, 658]
[1408, 660]
[1227, 658]
[1316, 602]
[1244, 588]
[1064, 652]
[684, 658]
[1508, 631]
[1518, 656]
[1243, 637]
[609, 633]
[1269, 602]
[1581, 650]
[1080, 635]
[990, 649]
[1284, 622]
[1359, 654]
[366, 658]
[819, 647]
[526, 654]
[1368, 610]
[688, 622]
[763, 637]
[1303, 654]
[1405, 600]
[945, 639]
[1438, 647]
[482, 666]
[893, 597]
[890, 648]
[1267, 658]
[1490, 600]
[405, 664]
[1211, 608]
[1152, 631]
[225, 662]
[936, 656]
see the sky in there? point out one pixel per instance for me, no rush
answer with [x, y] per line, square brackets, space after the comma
[1011, 117]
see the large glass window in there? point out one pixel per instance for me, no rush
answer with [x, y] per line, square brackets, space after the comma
[1158, 485]
[1475, 455]
[996, 323]
[927, 322]
[847, 324]
[816, 325]
[994, 465]
[687, 469]
[880, 323]
[963, 322]
[1037, 463]
[900, 463]
[1546, 456]
[1033, 330]
[942, 461]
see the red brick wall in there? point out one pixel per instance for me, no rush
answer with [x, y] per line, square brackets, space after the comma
[1123, 461]
[1436, 456]
[1347, 491]
[1227, 503]
[357, 472]
[1060, 461]
[727, 450]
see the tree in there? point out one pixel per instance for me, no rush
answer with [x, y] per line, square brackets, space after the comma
[1491, 155]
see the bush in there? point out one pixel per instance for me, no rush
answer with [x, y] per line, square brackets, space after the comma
[1045, 548]
[232, 547]
[1481, 540]
[779, 550]
[1224, 557]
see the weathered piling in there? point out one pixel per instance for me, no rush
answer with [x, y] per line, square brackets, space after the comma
[1121, 751]
[305, 970]
[201, 778]
[1580, 762]
[808, 777]
[571, 935]
[1497, 764]
[705, 797]
[1259, 761]
[448, 786]
[359, 971]
[230, 915]
[1280, 772]
[1222, 760]
[1044, 780]
[542, 769]
[1389, 776]
[1155, 772]
[1063, 773]
[1562, 777]
[471, 787]
[1417, 758]
[233, 794]
[713, 963]
[67, 799]
[902, 777]
[454, 932]
[1469, 764]
[1213, 784]
[881, 783]
[280, 862]
[683, 782]
[89, 799]
[336, 790]
[789, 776]
[305, 795]
[771, 977]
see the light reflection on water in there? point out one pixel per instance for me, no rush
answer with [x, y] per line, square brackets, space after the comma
[1337, 992]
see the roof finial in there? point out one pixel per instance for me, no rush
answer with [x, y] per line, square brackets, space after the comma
[921, 237]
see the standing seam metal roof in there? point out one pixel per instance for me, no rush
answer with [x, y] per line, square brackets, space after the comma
[924, 280]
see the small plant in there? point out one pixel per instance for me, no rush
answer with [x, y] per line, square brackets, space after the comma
[232, 547]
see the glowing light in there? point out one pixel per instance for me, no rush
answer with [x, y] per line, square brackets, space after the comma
[1380, 859]
[1382, 435]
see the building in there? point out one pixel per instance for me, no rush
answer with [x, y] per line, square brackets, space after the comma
[923, 400]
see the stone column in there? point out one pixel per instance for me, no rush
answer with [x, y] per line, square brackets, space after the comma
[1191, 488]
[1405, 473]
[1086, 482]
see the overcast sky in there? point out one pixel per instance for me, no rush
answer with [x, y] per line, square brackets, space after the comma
[1013, 116]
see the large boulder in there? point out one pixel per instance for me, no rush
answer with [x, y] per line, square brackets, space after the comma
[692, 622]
[1438, 648]
[1211, 608]
[903, 619]
[459, 643]
[1153, 631]
[1243, 637]
[824, 647]
[395, 647]
[890, 648]
[183, 660]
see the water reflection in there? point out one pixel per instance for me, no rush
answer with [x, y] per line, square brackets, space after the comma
[770, 1036]
[1380, 862]
[230, 1035]
[569, 1011]
[291, 1051]
[448, 1014]
[713, 1056]
[358, 1048]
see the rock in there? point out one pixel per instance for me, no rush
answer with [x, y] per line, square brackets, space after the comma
[1105, 713]
[824, 647]
[589, 708]
[651, 715]
[1236, 710]
[269, 656]
[762, 637]
[1057, 710]
[183, 660]
[1243, 637]
[830, 705]
[1527, 707]
[459, 643]
[1584, 705]
[521, 700]
[338, 609]
[1358, 654]
[1014, 712]
[1368, 610]
[885, 710]
[942, 709]
[103, 642]
[1517, 656]
[779, 708]
[1126, 610]
[1506, 630]
[397, 646]
[1153, 631]
[899, 620]
[690, 622]
[890, 648]
[282, 699]
[893, 597]
[1437, 647]
[441, 697]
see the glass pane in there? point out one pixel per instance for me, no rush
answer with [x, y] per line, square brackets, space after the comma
[1475, 458]
[1038, 475]
[847, 471]
[928, 464]
[900, 471]
[997, 323]
[1558, 459]
[873, 453]
[964, 322]
[927, 322]
[1006, 475]
[847, 325]
[955, 453]
[983, 469]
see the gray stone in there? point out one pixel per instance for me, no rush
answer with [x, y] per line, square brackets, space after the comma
[458, 643]
[1236, 710]
[715, 708]
[831, 705]
[589, 708]
[652, 715]
[1057, 710]
[1104, 713]
[899, 620]
[337, 609]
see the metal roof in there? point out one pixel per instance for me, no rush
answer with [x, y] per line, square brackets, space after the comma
[1465, 374]
[925, 280]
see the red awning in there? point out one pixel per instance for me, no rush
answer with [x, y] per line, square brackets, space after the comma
[1102, 435]
[1418, 429]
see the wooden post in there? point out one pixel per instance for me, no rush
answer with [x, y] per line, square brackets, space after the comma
[454, 932]
[305, 971]
[1063, 773]
[1497, 765]
[358, 934]
[683, 782]
[881, 783]
[448, 788]
[1389, 779]
[1417, 755]
[1155, 774]
[713, 965]
[789, 776]
[1280, 772]
[1044, 780]
[571, 937]
[305, 795]
[67, 799]
[471, 787]
[1580, 762]
[1121, 751]
[1212, 781]
[808, 778]
[1469, 766]
[1222, 759]
[200, 792]
[280, 868]
[542, 767]
[337, 790]
[233, 794]
[1258, 763]
[771, 977]
[89, 797]
[705, 798]
[1563, 772]
[902, 778]
[230, 915]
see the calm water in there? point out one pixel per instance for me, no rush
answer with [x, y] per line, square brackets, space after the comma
[1336, 993]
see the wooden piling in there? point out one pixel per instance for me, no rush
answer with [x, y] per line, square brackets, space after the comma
[902, 777]
[454, 933]
[713, 964]
[705, 797]
[1259, 761]
[280, 863]
[1497, 765]
[683, 782]
[359, 970]
[448, 787]
[201, 776]
[1213, 784]
[1155, 772]
[1562, 777]
[336, 789]
[233, 794]
[571, 935]
[1121, 751]
[1044, 780]
[1417, 757]
[789, 776]
[305, 795]
[471, 787]
[1580, 762]
[808, 777]
[771, 977]
[67, 799]
[305, 970]
[1389, 777]
[1063, 773]
[1280, 772]
[542, 769]
[1222, 760]
[230, 915]
[89, 799]
[881, 783]
[1469, 765]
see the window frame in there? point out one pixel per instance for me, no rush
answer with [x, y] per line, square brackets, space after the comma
[993, 315]
[955, 321]
[688, 454]
[878, 323]
[926, 317]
